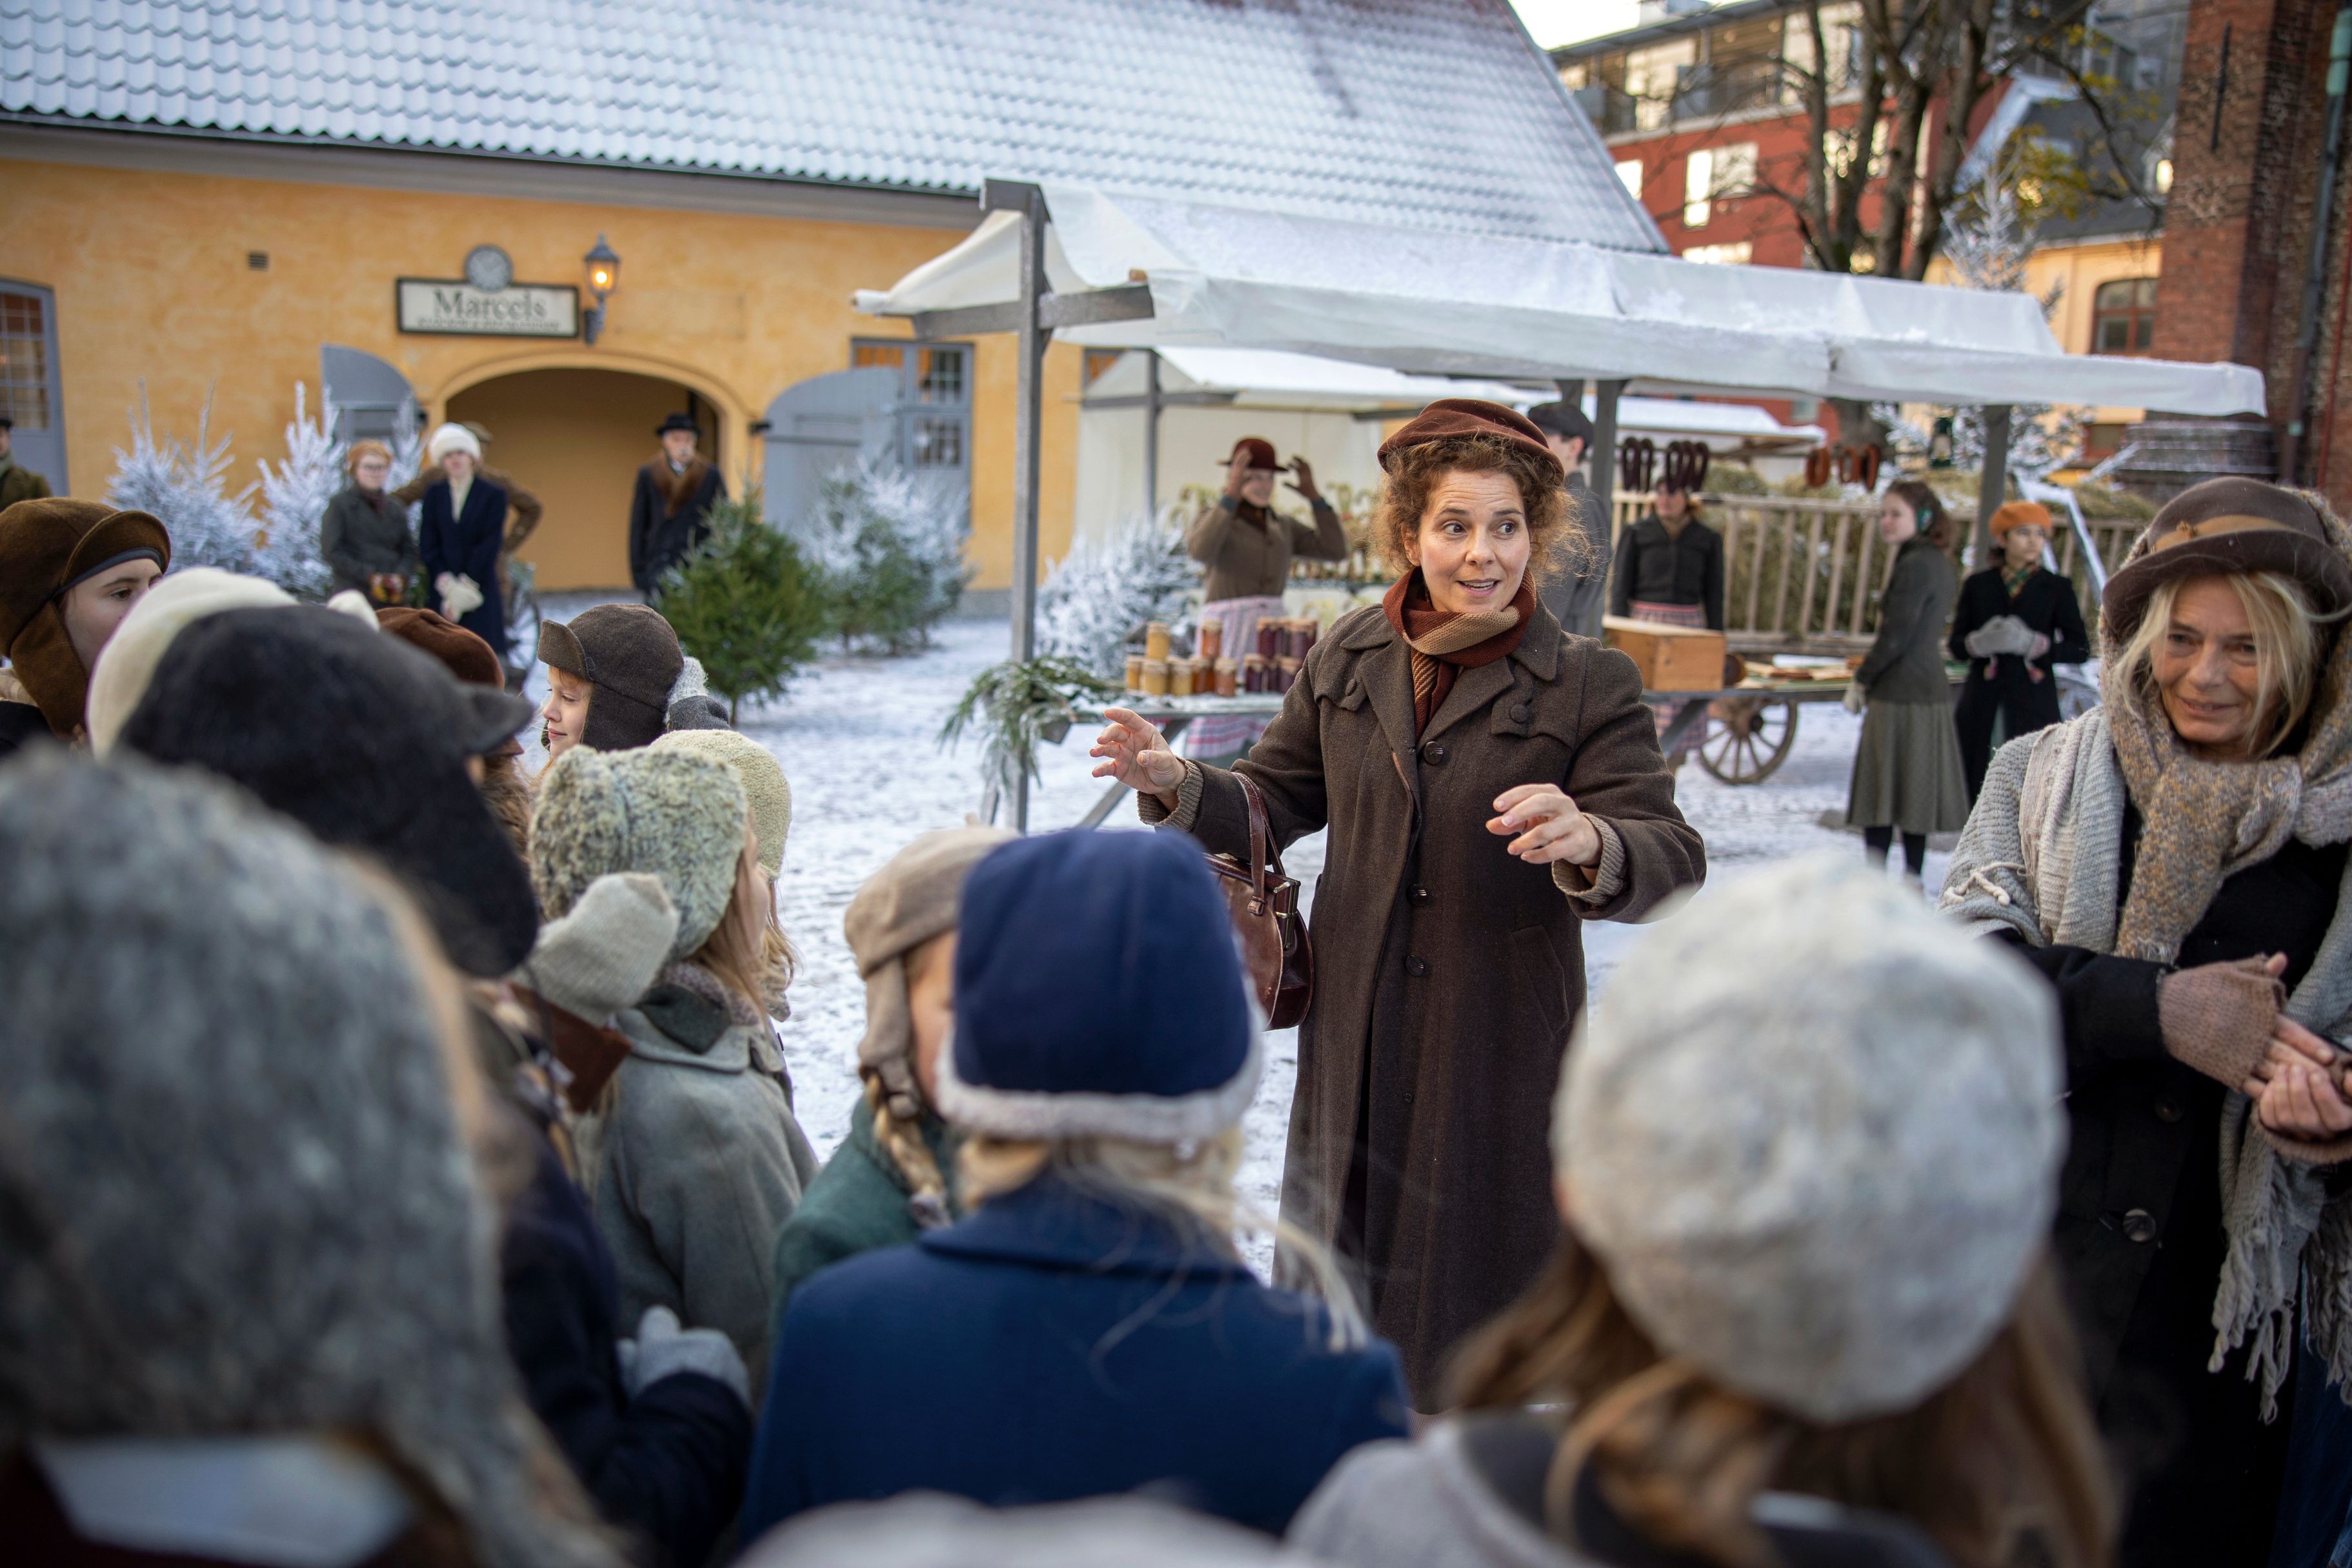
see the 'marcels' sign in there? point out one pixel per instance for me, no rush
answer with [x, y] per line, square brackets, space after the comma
[517, 310]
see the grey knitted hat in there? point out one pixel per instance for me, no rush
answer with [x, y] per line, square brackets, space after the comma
[239, 1198]
[681, 817]
[1813, 1134]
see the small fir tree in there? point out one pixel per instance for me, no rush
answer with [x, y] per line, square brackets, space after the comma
[888, 548]
[294, 499]
[181, 487]
[745, 603]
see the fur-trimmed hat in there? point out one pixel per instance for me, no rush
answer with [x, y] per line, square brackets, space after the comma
[47, 545]
[680, 816]
[2223, 526]
[451, 438]
[1827, 1195]
[766, 789]
[241, 1200]
[1098, 992]
[1450, 418]
[630, 654]
[908, 902]
[362, 739]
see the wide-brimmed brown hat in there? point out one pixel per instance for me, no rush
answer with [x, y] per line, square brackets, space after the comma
[1257, 450]
[460, 652]
[2230, 525]
[1450, 417]
[47, 546]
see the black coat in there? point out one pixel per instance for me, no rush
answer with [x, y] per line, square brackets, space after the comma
[668, 516]
[668, 1466]
[2139, 1233]
[2006, 686]
[468, 546]
[1660, 568]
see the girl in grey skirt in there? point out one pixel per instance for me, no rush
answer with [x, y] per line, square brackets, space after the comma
[1906, 770]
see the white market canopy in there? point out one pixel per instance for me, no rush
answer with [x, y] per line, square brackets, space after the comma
[1443, 304]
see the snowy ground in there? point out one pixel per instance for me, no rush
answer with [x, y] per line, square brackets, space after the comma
[857, 738]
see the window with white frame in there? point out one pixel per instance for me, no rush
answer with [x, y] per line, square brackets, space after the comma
[1629, 175]
[1698, 187]
[1733, 253]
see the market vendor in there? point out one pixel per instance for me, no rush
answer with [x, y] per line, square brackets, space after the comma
[1489, 785]
[2016, 618]
[1669, 569]
[1247, 547]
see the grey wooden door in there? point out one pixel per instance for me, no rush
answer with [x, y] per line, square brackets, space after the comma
[29, 391]
[821, 426]
[368, 393]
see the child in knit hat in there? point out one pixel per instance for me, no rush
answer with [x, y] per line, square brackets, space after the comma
[888, 1182]
[694, 1159]
[1806, 1252]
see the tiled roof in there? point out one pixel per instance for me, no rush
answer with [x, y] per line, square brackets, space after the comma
[1434, 114]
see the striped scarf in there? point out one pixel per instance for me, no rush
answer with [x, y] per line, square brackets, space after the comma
[1446, 642]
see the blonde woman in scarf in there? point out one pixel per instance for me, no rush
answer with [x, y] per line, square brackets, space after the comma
[2174, 862]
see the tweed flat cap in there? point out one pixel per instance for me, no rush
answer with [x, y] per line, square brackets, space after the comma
[1824, 1192]
[2228, 525]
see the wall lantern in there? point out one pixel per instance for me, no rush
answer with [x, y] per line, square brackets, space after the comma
[603, 276]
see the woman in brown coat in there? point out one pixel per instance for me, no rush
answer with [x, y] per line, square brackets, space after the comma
[1490, 783]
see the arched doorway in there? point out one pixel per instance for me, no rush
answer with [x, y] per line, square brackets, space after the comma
[575, 438]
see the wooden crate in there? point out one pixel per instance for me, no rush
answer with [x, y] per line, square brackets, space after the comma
[1671, 658]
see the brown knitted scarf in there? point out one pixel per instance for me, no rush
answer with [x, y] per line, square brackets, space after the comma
[2203, 821]
[1446, 642]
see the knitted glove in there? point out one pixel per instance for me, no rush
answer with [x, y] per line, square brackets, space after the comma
[461, 595]
[601, 957]
[1855, 700]
[2217, 1017]
[662, 1349]
[2003, 634]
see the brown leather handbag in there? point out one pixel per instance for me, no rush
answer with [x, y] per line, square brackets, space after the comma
[1265, 903]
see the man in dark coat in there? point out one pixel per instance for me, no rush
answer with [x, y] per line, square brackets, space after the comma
[17, 482]
[1576, 597]
[670, 513]
[2015, 619]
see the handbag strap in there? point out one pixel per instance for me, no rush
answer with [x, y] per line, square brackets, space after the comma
[1261, 882]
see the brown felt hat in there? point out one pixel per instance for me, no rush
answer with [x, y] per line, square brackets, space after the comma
[630, 654]
[45, 547]
[1450, 417]
[2019, 515]
[1257, 450]
[2228, 525]
[463, 654]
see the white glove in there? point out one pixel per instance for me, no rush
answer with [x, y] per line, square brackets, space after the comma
[1855, 700]
[461, 595]
[662, 1349]
[2003, 634]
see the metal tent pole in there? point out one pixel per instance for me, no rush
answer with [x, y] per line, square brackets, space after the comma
[1151, 433]
[1992, 483]
[1605, 394]
[1030, 337]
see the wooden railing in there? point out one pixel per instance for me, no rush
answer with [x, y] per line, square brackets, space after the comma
[1805, 572]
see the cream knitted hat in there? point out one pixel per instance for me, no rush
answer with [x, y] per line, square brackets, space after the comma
[1813, 1135]
[451, 438]
[604, 954]
[678, 817]
[765, 788]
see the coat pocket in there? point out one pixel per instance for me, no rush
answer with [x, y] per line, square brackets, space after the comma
[1541, 978]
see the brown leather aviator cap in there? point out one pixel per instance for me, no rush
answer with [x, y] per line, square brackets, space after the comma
[45, 547]
[2228, 525]
[1453, 416]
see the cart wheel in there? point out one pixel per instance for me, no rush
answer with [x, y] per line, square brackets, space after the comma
[1748, 739]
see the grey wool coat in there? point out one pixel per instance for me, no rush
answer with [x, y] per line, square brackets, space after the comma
[695, 1162]
[1447, 971]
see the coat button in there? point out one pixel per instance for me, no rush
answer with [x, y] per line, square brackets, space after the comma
[1519, 713]
[2139, 1225]
[1433, 752]
[2167, 1110]
[1418, 894]
[1417, 967]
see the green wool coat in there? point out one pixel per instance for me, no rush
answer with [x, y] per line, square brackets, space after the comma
[858, 1203]
[18, 482]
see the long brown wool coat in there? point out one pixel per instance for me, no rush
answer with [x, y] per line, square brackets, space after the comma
[1447, 971]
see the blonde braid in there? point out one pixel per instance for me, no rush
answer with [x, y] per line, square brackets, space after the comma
[902, 1144]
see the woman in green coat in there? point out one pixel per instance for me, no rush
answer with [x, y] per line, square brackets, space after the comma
[893, 1178]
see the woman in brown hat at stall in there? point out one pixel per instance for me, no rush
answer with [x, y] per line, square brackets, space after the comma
[1490, 784]
[2173, 861]
[69, 572]
[1248, 547]
[2016, 619]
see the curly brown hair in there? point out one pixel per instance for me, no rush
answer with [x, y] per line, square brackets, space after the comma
[1558, 538]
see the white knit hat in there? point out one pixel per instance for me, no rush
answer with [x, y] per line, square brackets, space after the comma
[451, 438]
[1813, 1134]
[127, 663]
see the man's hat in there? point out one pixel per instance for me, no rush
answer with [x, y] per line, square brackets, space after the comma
[1565, 420]
[1257, 450]
[679, 422]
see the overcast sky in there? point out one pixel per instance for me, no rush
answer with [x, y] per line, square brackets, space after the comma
[1566, 21]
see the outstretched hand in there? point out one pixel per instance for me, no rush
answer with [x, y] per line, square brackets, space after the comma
[1548, 825]
[1303, 480]
[1137, 755]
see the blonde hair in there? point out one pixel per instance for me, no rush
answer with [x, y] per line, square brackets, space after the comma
[901, 1142]
[2005, 1452]
[1190, 1183]
[2286, 648]
[747, 950]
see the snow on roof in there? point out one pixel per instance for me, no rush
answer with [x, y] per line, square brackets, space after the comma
[1430, 114]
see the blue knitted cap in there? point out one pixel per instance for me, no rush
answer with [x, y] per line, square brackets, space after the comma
[1098, 991]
